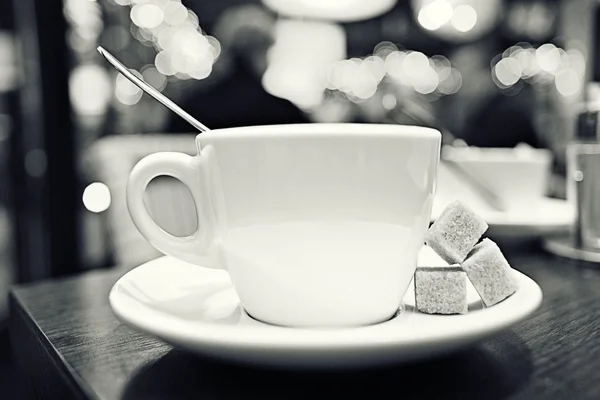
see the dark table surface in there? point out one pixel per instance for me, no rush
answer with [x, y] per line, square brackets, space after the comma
[67, 340]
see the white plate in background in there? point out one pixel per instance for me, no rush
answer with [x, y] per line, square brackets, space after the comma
[541, 216]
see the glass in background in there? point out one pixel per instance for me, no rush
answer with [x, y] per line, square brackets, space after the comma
[583, 191]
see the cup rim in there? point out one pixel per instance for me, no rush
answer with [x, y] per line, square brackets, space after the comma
[324, 130]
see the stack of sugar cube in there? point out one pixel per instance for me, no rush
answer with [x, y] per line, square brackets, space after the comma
[456, 236]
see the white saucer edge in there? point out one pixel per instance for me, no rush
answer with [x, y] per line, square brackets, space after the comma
[240, 341]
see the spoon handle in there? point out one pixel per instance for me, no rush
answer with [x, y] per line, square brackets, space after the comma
[161, 98]
[486, 194]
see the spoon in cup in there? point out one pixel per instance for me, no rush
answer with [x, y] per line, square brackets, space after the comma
[161, 98]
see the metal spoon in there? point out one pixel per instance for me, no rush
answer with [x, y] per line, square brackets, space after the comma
[161, 98]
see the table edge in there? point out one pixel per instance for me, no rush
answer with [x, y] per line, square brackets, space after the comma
[75, 382]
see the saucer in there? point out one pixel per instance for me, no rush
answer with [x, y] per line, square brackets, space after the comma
[197, 309]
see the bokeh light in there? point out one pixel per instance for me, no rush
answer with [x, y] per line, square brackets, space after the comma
[527, 61]
[464, 18]
[429, 82]
[8, 62]
[393, 64]
[442, 66]
[547, 64]
[192, 20]
[146, 15]
[375, 67]
[183, 50]
[357, 79]
[125, 91]
[175, 13]
[154, 78]
[163, 63]
[457, 20]
[383, 49]
[214, 46]
[568, 83]
[343, 74]
[415, 64]
[425, 22]
[548, 57]
[435, 14]
[89, 89]
[532, 19]
[389, 101]
[294, 84]
[450, 84]
[308, 57]
[508, 71]
[96, 197]
[364, 87]
[84, 24]
[433, 76]
[576, 61]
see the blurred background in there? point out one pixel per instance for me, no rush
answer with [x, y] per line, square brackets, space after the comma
[493, 73]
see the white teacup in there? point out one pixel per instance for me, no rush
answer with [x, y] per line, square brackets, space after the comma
[318, 225]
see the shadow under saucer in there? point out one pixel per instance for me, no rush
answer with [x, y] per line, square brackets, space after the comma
[491, 370]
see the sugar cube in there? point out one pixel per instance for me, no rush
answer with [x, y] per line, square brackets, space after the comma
[441, 290]
[490, 273]
[455, 232]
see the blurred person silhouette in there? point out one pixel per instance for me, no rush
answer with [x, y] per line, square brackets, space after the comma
[237, 97]
[504, 121]
[480, 113]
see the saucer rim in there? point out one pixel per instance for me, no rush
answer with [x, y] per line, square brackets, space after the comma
[469, 327]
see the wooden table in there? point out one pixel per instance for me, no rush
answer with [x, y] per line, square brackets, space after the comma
[70, 344]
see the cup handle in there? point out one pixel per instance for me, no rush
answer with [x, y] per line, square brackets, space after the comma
[198, 248]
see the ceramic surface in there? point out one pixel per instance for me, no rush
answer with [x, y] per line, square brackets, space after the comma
[197, 309]
[310, 220]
